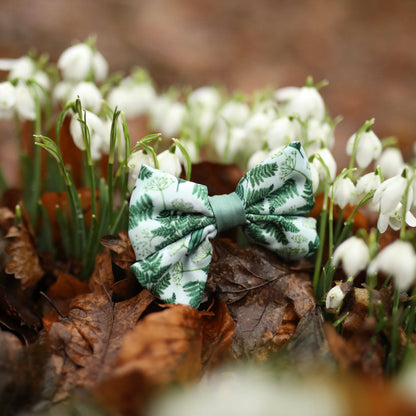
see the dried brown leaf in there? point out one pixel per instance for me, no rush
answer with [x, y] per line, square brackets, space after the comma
[217, 336]
[163, 348]
[264, 296]
[86, 344]
[124, 254]
[24, 261]
[6, 219]
[102, 278]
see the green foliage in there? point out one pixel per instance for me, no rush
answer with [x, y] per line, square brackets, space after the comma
[281, 195]
[261, 172]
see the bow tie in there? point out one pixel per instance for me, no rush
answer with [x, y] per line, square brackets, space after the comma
[172, 220]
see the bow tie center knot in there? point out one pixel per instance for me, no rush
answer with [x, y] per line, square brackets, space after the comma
[228, 211]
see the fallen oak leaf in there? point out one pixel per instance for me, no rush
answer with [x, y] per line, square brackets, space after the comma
[86, 343]
[124, 254]
[264, 296]
[171, 346]
[24, 262]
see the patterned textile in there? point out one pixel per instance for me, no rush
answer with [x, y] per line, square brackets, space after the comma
[171, 222]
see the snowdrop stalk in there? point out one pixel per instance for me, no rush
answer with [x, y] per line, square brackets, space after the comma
[405, 203]
[365, 127]
[318, 290]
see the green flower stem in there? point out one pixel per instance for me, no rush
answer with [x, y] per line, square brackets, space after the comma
[404, 207]
[110, 167]
[391, 362]
[411, 320]
[188, 167]
[3, 183]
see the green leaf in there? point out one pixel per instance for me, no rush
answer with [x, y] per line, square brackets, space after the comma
[281, 195]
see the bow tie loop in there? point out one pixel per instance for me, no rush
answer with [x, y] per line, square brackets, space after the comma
[171, 222]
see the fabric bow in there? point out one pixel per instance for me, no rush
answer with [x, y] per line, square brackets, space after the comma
[172, 220]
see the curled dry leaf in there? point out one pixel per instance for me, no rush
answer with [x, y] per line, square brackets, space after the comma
[124, 254]
[264, 296]
[86, 344]
[24, 261]
[171, 346]
[102, 277]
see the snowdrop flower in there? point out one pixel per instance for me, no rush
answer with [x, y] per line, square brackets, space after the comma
[167, 115]
[281, 132]
[228, 142]
[235, 113]
[135, 162]
[132, 97]
[354, 254]
[329, 161]
[207, 98]
[319, 135]
[365, 184]
[391, 162]
[368, 148]
[7, 100]
[21, 68]
[399, 260]
[306, 103]
[314, 177]
[25, 103]
[120, 145]
[169, 162]
[343, 191]
[89, 94]
[388, 196]
[285, 94]
[256, 129]
[80, 61]
[334, 298]
[97, 131]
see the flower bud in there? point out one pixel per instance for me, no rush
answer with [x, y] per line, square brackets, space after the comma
[7, 100]
[306, 104]
[281, 132]
[135, 162]
[89, 94]
[25, 103]
[80, 61]
[354, 254]
[399, 260]
[169, 162]
[343, 192]
[368, 148]
[207, 98]
[334, 298]
[391, 162]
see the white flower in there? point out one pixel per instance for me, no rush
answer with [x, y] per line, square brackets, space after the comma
[120, 145]
[314, 177]
[132, 97]
[391, 162]
[228, 142]
[235, 113]
[306, 103]
[61, 92]
[320, 134]
[80, 61]
[89, 94]
[286, 94]
[135, 162]
[22, 68]
[207, 98]
[354, 254]
[365, 184]
[343, 192]
[399, 260]
[281, 132]
[97, 131]
[368, 148]
[167, 115]
[390, 193]
[334, 298]
[329, 161]
[388, 197]
[25, 103]
[7, 100]
[169, 163]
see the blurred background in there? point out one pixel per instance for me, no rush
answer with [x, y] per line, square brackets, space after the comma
[366, 49]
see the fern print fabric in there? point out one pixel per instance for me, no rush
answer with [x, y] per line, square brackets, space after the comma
[171, 222]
